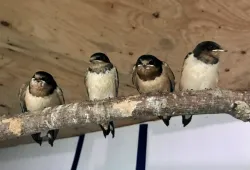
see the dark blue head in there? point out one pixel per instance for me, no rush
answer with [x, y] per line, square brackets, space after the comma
[149, 60]
[148, 67]
[99, 57]
[42, 84]
[45, 77]
[208, 52]
[207, 46]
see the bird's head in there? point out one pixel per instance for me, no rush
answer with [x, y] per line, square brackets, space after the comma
[98, 58]
[148, 66]
[42, 83]
[208, 51]
[99, 62]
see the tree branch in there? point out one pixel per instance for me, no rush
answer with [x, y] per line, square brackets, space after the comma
[122, 108]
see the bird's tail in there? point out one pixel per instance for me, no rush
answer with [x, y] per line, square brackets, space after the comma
[165, 119]
[52, 134]
[107, 128]
[186, 119]
[112, 128]
[37, 138]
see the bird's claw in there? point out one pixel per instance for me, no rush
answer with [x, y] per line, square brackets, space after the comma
[242, 110]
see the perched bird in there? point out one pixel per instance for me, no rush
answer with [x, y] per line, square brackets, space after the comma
[41, 92]
[200, 70]
[102, 82]
[151, 75]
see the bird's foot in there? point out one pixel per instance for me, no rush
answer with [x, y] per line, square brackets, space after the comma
[242, 110]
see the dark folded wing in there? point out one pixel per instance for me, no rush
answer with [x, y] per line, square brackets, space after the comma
[21, 96]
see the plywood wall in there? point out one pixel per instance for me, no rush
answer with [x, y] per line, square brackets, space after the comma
[59, 37]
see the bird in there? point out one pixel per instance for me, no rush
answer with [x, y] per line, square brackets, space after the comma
[102, 82]
[151, 75]
[200, 70]
[40, 92]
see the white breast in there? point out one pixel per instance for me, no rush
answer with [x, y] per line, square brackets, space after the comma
[197, 75]
[101, 86]
[38, 103]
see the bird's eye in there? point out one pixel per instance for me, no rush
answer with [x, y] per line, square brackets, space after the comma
[210, 47]
[139, 62]
[151, 62]
[43, 79]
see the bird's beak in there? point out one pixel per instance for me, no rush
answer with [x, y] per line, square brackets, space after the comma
[219, 50]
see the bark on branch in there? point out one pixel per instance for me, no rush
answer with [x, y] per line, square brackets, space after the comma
[137, 107]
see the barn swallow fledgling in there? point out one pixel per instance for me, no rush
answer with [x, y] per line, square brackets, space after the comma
[200, 70]
[151, 75]
[41, 92]
[102, 82]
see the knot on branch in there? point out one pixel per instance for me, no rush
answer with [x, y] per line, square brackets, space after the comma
[242, 110]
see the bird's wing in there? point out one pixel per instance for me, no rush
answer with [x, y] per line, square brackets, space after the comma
[180, 85]
[60, 94]
[134, 75]
[85, 82]
[116, 81]
[170, 75]
[21, 96]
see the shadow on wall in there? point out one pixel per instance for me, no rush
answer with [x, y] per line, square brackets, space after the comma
[198, 121]
[113, 153]
[199, 167]
[34, 150]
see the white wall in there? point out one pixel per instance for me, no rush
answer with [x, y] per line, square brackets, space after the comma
[208, 142]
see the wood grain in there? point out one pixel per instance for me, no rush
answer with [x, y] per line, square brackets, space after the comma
[59, 37]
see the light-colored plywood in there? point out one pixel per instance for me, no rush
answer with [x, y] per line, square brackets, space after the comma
[59, 37]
